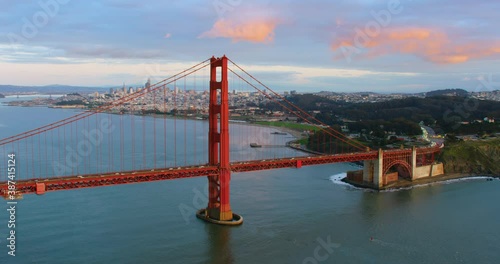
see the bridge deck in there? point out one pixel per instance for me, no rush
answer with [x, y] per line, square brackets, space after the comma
[127, 177]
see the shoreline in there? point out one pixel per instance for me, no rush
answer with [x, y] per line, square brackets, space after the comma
[295, 133]
[406, 184]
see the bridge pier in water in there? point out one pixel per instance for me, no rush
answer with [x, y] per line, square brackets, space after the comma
[218, 210]
[393, 166]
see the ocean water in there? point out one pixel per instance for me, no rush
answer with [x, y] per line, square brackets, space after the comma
[291, 216]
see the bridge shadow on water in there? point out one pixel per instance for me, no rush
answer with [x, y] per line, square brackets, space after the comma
[219, 240]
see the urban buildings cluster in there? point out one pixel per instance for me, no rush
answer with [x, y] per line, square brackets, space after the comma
[166, 99]
[489, 95]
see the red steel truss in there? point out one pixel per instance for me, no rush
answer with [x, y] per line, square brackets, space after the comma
[41, 186]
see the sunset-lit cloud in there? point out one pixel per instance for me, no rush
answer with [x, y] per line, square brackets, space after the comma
[256, 30]
[430, 44]
[289, 44]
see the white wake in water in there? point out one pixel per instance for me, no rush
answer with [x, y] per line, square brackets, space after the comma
[337, 179]
[440, 182]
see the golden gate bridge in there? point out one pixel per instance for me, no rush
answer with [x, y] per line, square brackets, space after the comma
[115, 143]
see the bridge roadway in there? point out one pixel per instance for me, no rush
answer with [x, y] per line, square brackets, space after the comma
[127, 177]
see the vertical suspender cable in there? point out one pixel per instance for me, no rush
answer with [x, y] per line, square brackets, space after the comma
[97, 148]
[122, 152]
[132, 125]
[175, 123]
[110, 140]
[71, 145]
[143, 137]
[76, 148]
[155, 112]
[186, 108]
[26, 158]
[195, 121]
[164, 126]
[32, 158]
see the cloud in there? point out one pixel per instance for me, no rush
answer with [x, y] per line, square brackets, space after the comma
[168, 35]
[101, 51]
[430, 44]
[256, 30]
[308, 75]
[90, 73]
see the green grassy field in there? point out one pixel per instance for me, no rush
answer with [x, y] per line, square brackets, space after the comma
[290, 125]
[303, 141]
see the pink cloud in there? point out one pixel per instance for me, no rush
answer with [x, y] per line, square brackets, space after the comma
[253, 30]
[430, 44]
[168, 35]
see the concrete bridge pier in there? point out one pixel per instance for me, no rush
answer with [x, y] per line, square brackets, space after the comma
[372, 171]
[391, 167]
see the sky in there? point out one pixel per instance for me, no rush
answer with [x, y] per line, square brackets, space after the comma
[389, 46]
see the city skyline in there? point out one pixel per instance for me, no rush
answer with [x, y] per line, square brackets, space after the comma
[377, 46]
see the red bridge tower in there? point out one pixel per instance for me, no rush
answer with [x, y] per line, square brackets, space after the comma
[219, 209]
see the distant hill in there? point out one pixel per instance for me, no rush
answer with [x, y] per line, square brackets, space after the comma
[448, 92]
[2, 96]
[440, 112]
[49, 89]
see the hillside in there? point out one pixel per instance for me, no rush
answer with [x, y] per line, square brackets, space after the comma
[474, 157]
[446, 114]
[448, 92]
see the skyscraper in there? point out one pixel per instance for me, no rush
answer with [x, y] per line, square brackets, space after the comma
[148, 84]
